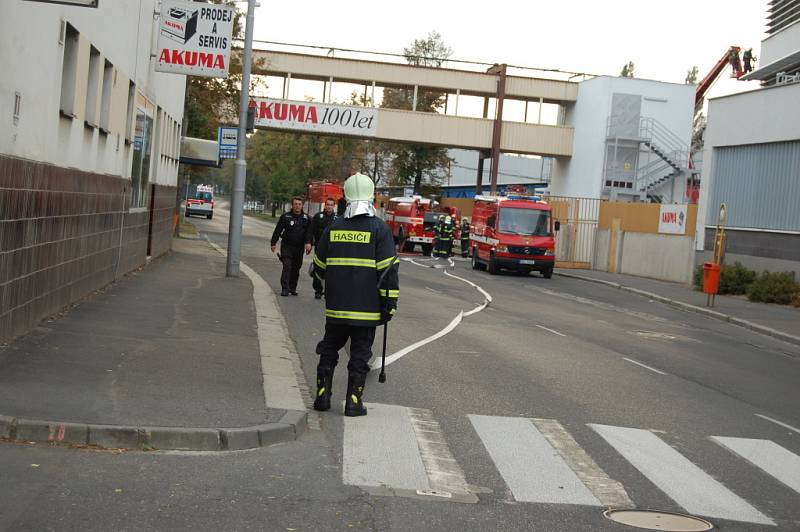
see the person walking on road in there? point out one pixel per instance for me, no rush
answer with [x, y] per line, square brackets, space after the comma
[446, 237]
[464, 235]
[292, 231]
[319, 223]
[356, 260]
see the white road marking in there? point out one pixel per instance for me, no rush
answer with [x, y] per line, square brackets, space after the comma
[607, 490]
[684, 482]
[444, 473]
[782, 424]
[376, 363]
[532, 469]
[381, 450]
[645, 366]
[550, 330]
[767, 456]
[433, 290]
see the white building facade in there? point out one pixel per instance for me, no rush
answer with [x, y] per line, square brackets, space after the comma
[631, 141]
[752, 156]
[88, 152]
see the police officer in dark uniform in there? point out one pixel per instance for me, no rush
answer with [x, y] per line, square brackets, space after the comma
[292, 229]
[356, 259]
[319, 223]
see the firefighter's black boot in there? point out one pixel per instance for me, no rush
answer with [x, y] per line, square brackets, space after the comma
[322, 401]
[353, 405]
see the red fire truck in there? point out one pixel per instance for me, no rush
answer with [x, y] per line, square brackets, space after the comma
[411, 220]
[514, 233]
[319, 191]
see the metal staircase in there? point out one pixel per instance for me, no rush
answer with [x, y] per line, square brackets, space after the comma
[672, 155]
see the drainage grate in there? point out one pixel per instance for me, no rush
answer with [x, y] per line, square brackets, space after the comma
[657, 520]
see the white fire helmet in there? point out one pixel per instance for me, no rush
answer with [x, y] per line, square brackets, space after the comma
[447, 220]
[359, 187]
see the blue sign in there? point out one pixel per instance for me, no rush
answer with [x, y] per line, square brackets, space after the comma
[228, 138]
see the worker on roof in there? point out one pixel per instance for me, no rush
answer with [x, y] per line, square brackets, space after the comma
[356, 260]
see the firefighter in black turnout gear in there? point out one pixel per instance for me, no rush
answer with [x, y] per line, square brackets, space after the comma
[319, 223]
[464, 235]
[356, 260]
[292, 230]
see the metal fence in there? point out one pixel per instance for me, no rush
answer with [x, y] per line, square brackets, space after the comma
[575, 241]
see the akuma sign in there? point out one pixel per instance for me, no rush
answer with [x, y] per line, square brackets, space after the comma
[195, 38]
[315, 117]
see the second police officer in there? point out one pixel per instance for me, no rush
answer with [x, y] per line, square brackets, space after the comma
[319, 223]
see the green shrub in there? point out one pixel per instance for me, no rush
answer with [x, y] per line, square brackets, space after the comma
[698, 277]
[773, 287]
[735, 279]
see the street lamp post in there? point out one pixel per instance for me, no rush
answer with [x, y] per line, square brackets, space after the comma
[240, 165]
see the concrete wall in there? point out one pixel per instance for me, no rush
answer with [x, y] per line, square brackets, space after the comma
[31, 59]
[65, 233]
[665, 257]
[66, 223]
[582, 175]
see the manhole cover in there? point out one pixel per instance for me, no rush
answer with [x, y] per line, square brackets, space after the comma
[656, 520]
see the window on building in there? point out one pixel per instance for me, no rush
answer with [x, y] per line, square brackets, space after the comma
[17, 107]
[109, 80]
[69, 69]
[93, 86]
[142, 150]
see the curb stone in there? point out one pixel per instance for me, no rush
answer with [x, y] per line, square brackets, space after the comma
[755, 327]
[289, 428]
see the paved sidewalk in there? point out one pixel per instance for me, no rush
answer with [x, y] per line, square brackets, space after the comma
[775, 320]
[174, 345]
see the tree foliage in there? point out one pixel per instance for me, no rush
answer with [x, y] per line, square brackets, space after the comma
[691, 75]
[418, 164]
[627, 70]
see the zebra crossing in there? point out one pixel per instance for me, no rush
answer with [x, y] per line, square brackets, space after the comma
[402, 451]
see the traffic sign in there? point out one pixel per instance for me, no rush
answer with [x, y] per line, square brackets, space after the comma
[228, 138]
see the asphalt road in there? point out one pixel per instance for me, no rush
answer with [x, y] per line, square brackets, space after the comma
[558, 399]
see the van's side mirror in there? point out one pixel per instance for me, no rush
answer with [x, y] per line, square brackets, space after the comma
[491, 220]
[558, 226]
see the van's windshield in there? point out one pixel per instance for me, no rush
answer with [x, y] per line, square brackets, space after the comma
[205, 196]
[526, 222]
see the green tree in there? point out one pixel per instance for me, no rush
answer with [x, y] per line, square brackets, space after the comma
[627, 70]
[418, 164]
[691, 75]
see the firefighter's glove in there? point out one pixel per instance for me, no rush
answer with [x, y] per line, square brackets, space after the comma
[389, 309]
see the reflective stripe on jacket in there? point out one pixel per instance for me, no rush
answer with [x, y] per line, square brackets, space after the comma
[352, 255]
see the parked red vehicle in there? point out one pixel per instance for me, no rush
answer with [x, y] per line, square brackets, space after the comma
[319, 191]
[411, 220]
[513, 233]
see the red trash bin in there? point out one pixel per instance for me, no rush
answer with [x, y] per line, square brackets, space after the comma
[711, 273]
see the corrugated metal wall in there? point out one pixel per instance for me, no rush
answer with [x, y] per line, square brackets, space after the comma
[760, 183]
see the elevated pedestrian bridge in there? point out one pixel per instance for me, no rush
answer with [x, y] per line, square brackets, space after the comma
[527, 135]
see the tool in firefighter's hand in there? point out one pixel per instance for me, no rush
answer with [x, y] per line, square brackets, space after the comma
[384, 307]
[382, 376]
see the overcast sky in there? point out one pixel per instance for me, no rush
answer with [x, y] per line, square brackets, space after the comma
[663, 39]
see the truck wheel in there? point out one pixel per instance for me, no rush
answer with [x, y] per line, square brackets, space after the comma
[408, 247]
[426, 249]
[493, 269]
[548, 273]
[209, 216]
